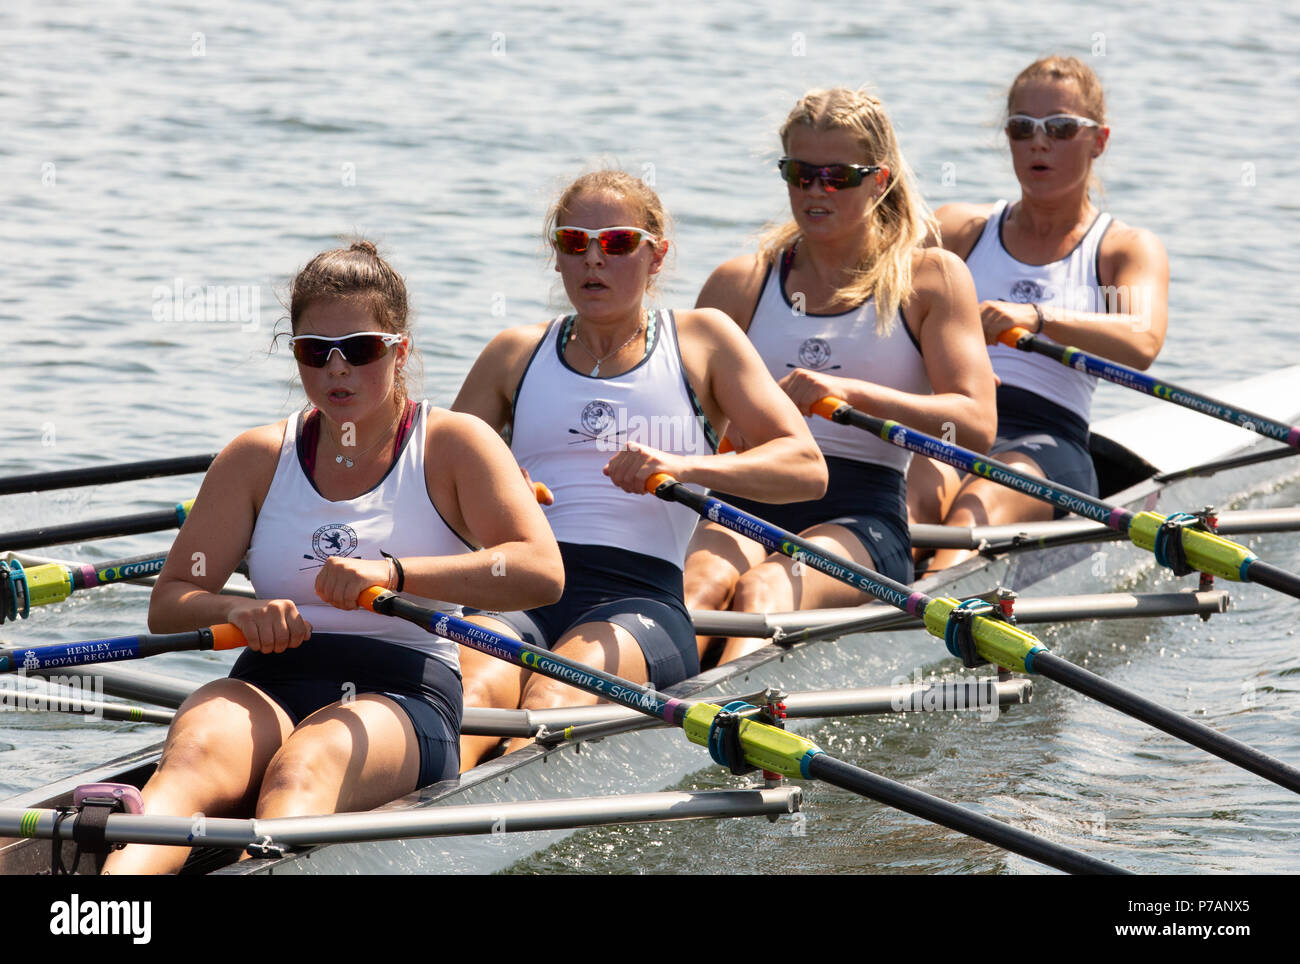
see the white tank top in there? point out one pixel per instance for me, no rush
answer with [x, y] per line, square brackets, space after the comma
[298, 529]
[568, 425]
[845, 345]
[1071, 283]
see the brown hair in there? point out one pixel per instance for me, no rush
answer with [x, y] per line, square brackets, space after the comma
[650, 212]
[899, 219]
[355, 272]
[1065, 68]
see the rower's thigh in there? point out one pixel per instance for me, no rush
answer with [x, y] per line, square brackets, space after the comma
[715, 560]
[931, 488]
[982, 501]
[347, 756]
[781, 583]
[218, 746]
[602, 645]
[489, 681]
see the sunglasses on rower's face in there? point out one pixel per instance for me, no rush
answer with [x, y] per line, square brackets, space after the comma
[620, 240]
[359, 348]
[834, 177]
[1059, 127]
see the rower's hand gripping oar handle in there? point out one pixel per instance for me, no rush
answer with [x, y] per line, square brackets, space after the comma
[1016, 337]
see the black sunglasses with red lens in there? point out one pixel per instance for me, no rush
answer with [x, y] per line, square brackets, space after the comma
[834, 177]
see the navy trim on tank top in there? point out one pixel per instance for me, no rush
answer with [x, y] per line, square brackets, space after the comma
[710, 433]
[1003, 220]
[309, 436]
[514, 398]
[787, 264]
[652, 340]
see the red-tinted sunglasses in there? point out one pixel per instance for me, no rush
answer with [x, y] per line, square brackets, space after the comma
[620, 240]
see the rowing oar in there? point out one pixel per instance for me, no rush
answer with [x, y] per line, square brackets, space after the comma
[53, 582]
[101, 474]
[734, 738]
[128, 525]
[1175, 540]
[970, 633]
[1140, 382]
[114, 648]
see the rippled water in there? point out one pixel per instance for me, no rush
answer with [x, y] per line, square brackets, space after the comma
[147, 148]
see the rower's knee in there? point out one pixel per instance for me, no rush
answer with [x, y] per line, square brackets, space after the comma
[299, 782]
[763, 589]
[708, 582]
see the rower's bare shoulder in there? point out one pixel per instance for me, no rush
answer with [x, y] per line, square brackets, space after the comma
[733, 288]
[1126, 243]
[241, 474]
[253, 454]
[515, 346]
[960, 225]
[449, 431]
[706, 328]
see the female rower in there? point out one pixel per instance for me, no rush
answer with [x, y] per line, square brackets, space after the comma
[329, 709]
[597, 402]
[843, 300]
[1051, 263]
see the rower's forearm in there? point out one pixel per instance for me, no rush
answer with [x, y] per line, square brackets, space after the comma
[507, 576]
[782, 470]
[1127, 338]
[177, 607]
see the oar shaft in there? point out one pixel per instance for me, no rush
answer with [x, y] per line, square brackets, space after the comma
[901, 797]
[1140, 382]
[1175, 724]
[102, 474]
[96, 529]
[115, 648]
[1062, 496]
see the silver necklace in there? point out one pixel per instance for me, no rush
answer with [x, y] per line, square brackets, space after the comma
[600, 361]
[346, 462]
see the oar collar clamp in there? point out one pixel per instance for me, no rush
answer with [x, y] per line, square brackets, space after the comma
[1168, 550]
[959, 634]
[15, 601]
[724, 737]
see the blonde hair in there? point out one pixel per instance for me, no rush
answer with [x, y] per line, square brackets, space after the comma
[1085, 80]
[899, 220]
[650, 212]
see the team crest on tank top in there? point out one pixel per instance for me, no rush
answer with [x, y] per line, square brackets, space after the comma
[332, 539]
[814, 354]
[1026, 291]
[598, 423]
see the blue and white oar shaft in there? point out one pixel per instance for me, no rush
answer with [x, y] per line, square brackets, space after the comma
[1140, 382]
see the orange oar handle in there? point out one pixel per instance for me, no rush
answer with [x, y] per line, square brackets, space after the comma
[725, 446]
[543, 494]
[658, 479]
[1011, 337]
[828, 406]
[368, 596]
[226, 636]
